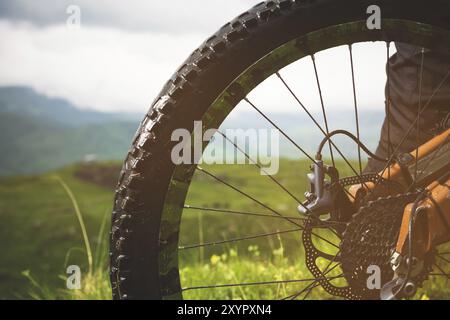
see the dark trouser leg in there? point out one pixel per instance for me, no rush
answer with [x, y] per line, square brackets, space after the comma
[401, 120]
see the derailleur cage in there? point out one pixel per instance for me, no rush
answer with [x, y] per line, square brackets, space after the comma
[404, 283]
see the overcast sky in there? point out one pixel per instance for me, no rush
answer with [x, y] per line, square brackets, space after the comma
[124, 51]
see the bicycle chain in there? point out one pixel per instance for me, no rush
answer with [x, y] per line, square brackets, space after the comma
[372, 194]
[352, 180]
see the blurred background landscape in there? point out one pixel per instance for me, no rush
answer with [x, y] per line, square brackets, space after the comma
[71, 99]
[40, 133]
[45, 139]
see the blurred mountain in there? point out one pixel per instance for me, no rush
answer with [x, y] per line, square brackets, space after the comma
[25, 101]
[40, 133]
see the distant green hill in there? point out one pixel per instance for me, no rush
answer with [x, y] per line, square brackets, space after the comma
[40, 133]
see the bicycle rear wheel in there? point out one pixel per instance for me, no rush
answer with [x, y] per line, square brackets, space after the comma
[151, 192]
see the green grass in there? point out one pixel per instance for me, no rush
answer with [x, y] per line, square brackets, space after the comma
[40, 236]
[55, 220]
[231, 268]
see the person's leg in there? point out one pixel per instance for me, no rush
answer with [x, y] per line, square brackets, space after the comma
[412, 84]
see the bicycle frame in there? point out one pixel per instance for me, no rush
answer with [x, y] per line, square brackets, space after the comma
[431, 218]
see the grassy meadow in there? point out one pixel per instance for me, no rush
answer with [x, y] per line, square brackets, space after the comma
[40, 234]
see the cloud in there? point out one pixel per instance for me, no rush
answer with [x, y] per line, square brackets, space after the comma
[175, 16]
[123, 54]
[102, 68]
[119, 58]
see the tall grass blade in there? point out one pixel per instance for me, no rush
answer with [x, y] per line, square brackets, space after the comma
[80, 220]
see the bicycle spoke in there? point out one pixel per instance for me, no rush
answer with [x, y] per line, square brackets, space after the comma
[270, 176]
[298, 147]
[319, 127]
[332, 231]
[418, 115]
[267, 216]
[308, 288]
[442, 271]
[325, 272]
[220, 210]
[253, 283]
[323, 107]
[299, 102]
[439, 275]
[241, 212]
[260, 203]
[435, 154]
[261, 168]
[246, 195]
[207, 244]
[355, 103]
[316, 283]
[388, 106]
[278, 128]
[442, 258]
[311, 286]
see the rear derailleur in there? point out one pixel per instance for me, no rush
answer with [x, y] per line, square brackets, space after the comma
[408, 275]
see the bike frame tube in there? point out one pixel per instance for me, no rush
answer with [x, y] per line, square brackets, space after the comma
[431, 221]
[398, 171]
